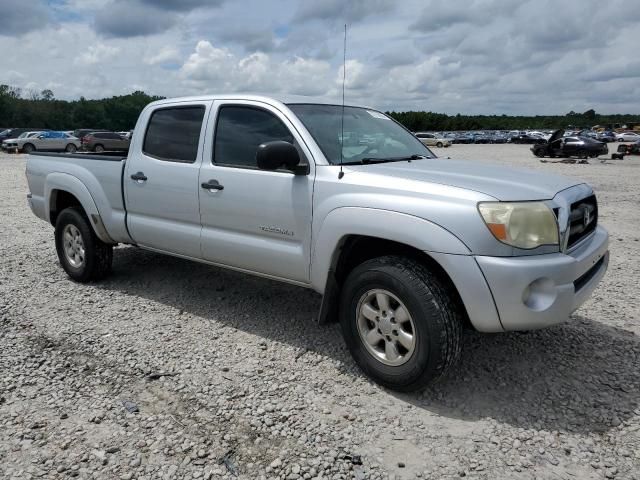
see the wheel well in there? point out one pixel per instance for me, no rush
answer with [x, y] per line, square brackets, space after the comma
[59, 201]
[356, 249]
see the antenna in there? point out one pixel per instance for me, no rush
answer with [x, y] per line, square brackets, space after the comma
[344, 77]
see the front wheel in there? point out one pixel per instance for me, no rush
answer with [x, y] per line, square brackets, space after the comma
[28, 148]
[439, 144]
[400, 322]
[98, 148]
[81, 253]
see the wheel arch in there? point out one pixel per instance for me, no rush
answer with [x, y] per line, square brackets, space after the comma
[62, 191]
[349, 236]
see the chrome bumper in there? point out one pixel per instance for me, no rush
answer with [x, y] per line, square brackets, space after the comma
[540, 290]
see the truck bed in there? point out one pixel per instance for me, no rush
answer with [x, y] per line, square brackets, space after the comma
[94, 179]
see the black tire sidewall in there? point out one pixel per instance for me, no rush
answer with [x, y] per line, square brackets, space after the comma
[74, 217]
[423, 362]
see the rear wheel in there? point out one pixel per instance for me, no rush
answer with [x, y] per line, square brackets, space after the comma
[71, 148]
[400, 322]
[81, 253]
[28, 148]
[98, 148]
[439, 144]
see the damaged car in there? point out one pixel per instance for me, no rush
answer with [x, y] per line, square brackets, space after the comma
[575, 146]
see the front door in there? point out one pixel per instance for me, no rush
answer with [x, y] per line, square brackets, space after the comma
[254, 219]
[161, 179]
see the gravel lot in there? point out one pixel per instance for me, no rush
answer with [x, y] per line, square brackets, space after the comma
[171, 369]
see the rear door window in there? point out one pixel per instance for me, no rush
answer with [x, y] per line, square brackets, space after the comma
[173, 134]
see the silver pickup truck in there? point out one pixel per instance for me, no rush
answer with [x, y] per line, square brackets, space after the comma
[406, 249]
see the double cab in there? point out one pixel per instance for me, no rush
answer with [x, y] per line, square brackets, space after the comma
[406, 249]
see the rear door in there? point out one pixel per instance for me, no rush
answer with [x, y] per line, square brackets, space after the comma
[256, 220]
[161, 178]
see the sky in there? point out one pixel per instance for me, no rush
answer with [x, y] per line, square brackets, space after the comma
[471, 57]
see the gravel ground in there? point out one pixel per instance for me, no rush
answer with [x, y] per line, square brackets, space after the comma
[171, 369]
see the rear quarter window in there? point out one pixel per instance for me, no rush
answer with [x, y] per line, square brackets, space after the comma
[173, 133]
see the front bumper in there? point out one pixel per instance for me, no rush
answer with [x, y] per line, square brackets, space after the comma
[540, 290]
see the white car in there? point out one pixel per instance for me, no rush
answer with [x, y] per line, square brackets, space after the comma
[433, 140]
[44, 141]
[627, 137]
[12, 144]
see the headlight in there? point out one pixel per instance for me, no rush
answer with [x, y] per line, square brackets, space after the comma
[524, 225]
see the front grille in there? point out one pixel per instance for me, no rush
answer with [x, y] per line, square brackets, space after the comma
[583, 219]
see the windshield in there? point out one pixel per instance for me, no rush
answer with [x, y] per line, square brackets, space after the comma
[368, 135]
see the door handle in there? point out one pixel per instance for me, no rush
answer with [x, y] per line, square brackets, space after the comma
[212, 185]
[139, 177]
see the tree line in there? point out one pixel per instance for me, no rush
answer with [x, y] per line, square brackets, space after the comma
[42, 110]
[431, 121]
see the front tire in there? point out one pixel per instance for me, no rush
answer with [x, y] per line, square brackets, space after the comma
[71, 148]
[98, 148]
[28, 148]
[400, 322]
[81, 253]
[439, 144]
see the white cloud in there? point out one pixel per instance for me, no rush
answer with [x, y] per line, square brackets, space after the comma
[96, 54]
[211, 69]
[167, 54]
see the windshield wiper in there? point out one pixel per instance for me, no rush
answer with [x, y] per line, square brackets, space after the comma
[371, 160]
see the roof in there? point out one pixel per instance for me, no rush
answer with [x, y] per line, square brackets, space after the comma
[271, 100]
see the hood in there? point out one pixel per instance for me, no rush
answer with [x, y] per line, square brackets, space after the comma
[556, 135]
[501, 183]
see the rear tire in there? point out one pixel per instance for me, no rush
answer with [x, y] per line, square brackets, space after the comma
[439, 144]
[434, 322]
[81, 253]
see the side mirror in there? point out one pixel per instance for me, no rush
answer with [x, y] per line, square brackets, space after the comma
[41, 136]
[273, 155]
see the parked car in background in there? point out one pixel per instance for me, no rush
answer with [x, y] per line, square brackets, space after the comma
[527, 138]
[499, 137]
[463, 137]
[629, 149]
[81, 132]
[560, 146]
[101, 141]
[607, 136]
[10, 133]
[433, 139]
[11, 144]
[627, 137]
[48, 141]
[480, 137]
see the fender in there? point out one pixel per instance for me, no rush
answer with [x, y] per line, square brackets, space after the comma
[386, 224]
[72, 185]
